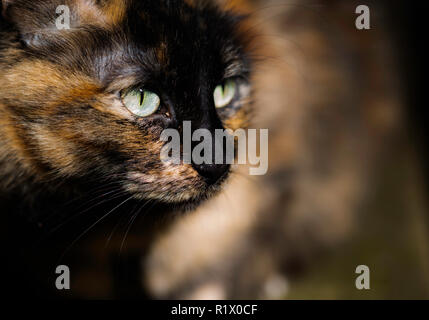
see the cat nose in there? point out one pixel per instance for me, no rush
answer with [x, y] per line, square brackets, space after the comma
[211, 172]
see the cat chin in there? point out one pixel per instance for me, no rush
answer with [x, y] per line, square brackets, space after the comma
[195, 202]
[177, 199]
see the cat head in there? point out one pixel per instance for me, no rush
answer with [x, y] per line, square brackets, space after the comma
[92, 94]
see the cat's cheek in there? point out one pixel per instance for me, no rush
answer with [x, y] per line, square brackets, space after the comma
[235, 123]
[111, 104]
[238, 120]
[58, 153]
[238, 115]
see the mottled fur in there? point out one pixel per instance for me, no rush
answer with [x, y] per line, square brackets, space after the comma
[61, 112]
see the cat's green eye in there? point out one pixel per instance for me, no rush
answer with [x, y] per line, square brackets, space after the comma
[225, 93]
[141, 102]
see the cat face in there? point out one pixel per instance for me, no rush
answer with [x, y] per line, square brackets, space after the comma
[95, 98]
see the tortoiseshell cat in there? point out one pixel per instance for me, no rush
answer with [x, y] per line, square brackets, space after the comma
[75, 160]
[61, 92]
[66, 126]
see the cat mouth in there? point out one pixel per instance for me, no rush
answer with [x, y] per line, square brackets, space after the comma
[186, 192]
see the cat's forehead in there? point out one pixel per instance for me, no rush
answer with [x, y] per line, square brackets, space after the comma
[186, 21]
[183, 35]
[114, 38]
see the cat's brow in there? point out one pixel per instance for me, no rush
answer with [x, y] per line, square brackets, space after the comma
[235, 69]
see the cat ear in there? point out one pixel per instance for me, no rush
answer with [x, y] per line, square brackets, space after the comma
[34, 20]
[38, 21]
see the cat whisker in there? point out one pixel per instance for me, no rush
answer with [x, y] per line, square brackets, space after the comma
[133, 218]
[104, 187]
[76, 215]
[115, 228]
[93, 225]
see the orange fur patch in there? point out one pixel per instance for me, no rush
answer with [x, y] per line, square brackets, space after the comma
[109, 14]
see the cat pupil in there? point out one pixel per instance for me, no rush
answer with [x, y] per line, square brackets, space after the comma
[142, 95]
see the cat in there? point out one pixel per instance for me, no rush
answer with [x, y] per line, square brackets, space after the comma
[77, 165]
[61, 92]
[70, 125]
